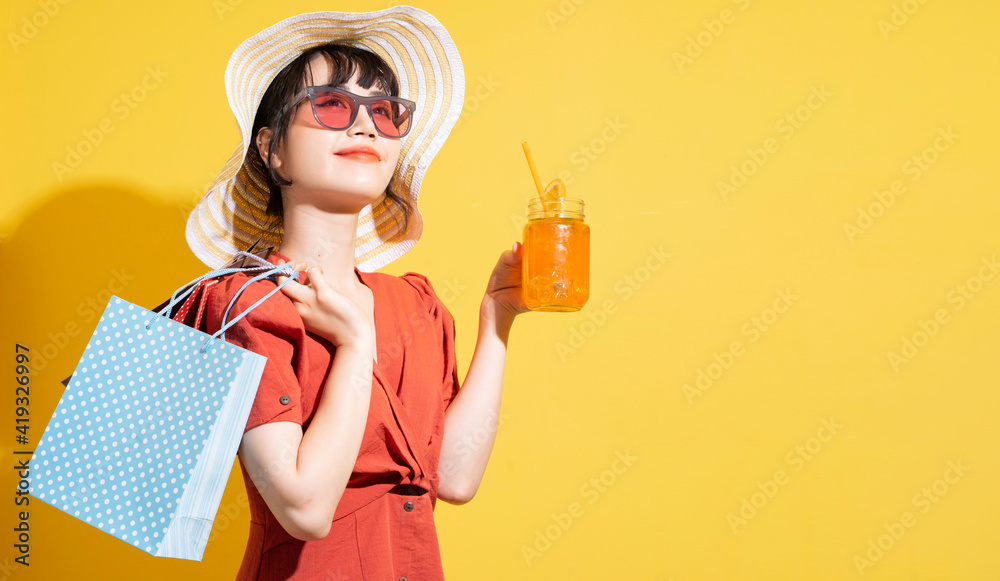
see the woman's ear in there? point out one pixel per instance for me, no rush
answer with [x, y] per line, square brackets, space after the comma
[264, 147]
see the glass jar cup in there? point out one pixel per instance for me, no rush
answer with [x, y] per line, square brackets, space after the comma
[555, 268]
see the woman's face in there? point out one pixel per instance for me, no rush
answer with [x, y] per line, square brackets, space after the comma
[317, 162]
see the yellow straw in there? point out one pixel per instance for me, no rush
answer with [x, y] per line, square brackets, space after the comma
[531, 166]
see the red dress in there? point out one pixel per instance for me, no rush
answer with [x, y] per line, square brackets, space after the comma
[383, 527]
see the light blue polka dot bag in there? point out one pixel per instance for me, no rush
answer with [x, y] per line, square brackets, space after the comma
[143, 439]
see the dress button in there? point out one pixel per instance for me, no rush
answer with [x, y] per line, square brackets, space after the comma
[402, 579]
[285, 399]
[408, 507]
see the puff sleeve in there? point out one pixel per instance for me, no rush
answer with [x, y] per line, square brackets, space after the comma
[444, 325]
[273, 329]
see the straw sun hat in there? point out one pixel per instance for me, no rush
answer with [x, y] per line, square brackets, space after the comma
[231, 216]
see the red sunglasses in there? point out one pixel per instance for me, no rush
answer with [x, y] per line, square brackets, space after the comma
[337, 109]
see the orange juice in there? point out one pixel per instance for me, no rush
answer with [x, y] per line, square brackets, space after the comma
[556, 265]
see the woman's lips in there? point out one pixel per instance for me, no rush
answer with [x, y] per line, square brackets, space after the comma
[360, 156]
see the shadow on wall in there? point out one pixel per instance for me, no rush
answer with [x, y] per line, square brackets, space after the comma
[66, 259]
[60, 267]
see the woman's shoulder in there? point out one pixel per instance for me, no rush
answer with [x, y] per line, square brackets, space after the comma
[411, 282]
[411, 286]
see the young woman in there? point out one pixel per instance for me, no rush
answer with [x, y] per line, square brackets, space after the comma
[358, 425]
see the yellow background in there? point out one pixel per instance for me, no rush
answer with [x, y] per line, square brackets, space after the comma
[644, 137]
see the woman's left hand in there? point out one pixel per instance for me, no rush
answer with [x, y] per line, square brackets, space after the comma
[503, 292]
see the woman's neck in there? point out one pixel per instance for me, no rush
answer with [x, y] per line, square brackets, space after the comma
[324, 239]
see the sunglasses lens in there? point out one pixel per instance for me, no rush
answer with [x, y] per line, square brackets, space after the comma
[334, 110]
[391, 118]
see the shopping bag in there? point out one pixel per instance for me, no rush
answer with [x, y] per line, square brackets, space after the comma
[143, 439]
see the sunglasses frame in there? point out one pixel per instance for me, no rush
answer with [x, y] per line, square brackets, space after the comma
[358, 102]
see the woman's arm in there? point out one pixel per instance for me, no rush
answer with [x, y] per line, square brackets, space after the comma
[471, 420]
[301, 476]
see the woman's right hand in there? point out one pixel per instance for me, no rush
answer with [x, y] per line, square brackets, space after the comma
[325, 311]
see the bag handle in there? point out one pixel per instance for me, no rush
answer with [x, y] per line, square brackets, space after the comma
[221, 333]
[175, 298]
[240, 257]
